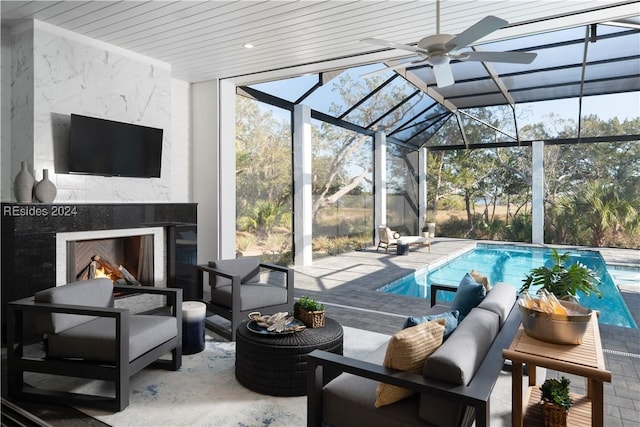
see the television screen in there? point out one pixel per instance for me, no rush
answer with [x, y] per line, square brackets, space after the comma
[109, 148]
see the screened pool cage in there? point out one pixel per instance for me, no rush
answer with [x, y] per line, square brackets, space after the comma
[508, 152]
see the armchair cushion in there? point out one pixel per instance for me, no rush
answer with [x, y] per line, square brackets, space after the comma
[97, 293]
[254, 296]
[96, 340]
[407, 351]
[450, 317]
[247, 268]
[469, 294]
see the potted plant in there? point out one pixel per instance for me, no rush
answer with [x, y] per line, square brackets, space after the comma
[556, 401]
[310, 311]
[562, 281]
[430, 226]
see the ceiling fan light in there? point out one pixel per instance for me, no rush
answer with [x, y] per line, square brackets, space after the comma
[436, 60]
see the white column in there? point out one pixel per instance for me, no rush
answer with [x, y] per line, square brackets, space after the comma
[537, 192]
[422, 187]
[227, 171]
[204, 180]
[303, 214]
[380, 180]
[213, 174]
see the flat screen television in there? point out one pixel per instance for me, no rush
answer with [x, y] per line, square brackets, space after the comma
[110, 148]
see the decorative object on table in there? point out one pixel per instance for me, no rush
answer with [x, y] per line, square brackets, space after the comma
[45, 190]
[547, 319]
[556, 402]
[430, 226]
[310, 311]
[278, 323]
[562, 281]
[23, 185]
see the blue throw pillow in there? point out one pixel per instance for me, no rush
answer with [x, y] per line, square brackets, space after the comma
[469, 294]
[450, 317]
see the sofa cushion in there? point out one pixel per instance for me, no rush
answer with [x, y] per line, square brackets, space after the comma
[94, 293]
[95, 340]
[469, 294]
[456, 362]
[247, 268]
[457, 359]
[407, 351]
[450, 317]
[500, 300]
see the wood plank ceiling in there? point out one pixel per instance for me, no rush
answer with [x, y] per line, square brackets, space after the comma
[203, 40]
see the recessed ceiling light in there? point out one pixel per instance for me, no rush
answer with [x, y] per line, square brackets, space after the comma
[248, 45]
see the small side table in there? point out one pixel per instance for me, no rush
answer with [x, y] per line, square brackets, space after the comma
[277, 364]
[585, 360]
[193, 314]
[402, 248]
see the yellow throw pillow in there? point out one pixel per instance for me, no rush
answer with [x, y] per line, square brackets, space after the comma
[483, 280]
[407, 351]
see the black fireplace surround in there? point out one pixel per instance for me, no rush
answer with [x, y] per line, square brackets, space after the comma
[29, 240]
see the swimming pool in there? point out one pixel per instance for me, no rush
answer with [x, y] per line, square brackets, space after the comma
[510, 264]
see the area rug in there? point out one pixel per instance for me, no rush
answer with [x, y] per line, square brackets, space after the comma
[204, 392]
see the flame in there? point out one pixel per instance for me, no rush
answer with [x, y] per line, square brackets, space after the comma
[101, 273]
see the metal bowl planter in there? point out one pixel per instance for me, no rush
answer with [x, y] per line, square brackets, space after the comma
[556, 328]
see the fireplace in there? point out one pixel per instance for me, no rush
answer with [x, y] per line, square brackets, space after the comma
[137, 252]
[36, 237]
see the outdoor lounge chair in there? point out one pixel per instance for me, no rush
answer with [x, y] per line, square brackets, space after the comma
[238, 288]
[388, 237]
[85, 337]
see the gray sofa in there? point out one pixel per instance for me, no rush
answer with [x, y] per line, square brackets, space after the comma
[454, 389]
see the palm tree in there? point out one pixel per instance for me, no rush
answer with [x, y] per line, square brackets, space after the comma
[603, 209]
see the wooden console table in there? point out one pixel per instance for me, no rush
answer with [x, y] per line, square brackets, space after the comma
[585, 360]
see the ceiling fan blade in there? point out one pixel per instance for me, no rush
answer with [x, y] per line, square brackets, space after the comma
[394, 45]
[393, 67]
[512, 57]
[486, 25]
[443, 74]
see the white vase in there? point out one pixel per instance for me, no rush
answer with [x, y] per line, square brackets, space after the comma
[23, 185]
[45, 190]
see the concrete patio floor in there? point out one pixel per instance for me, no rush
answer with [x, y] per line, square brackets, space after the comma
[347, 284]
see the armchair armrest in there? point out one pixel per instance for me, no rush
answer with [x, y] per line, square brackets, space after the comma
[435, 287]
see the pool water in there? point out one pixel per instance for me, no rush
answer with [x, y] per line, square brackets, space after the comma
[510, 264]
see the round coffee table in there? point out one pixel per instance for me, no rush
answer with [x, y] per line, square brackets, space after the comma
[277, 364]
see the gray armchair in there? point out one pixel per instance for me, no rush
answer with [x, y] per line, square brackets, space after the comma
[85, 337]
[240, 286]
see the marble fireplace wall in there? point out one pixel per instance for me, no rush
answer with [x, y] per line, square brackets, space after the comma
[54, 73]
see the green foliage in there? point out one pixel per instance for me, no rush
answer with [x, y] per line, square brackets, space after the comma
[563, 281]
[308, 304]
[519, 230]
[557, 392]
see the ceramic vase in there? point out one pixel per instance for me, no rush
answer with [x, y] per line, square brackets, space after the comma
[23, 185]
[45, 190]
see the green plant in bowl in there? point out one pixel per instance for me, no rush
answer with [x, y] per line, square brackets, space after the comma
[556, 391]
[563, 281]
[308, 304]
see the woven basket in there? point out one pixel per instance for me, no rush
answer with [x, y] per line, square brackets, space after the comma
[554, 415]
[311, 319]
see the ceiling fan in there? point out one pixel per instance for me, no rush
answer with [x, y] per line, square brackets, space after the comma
[439, 49]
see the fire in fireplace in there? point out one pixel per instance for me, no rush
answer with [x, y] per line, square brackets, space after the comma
[125, 259]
